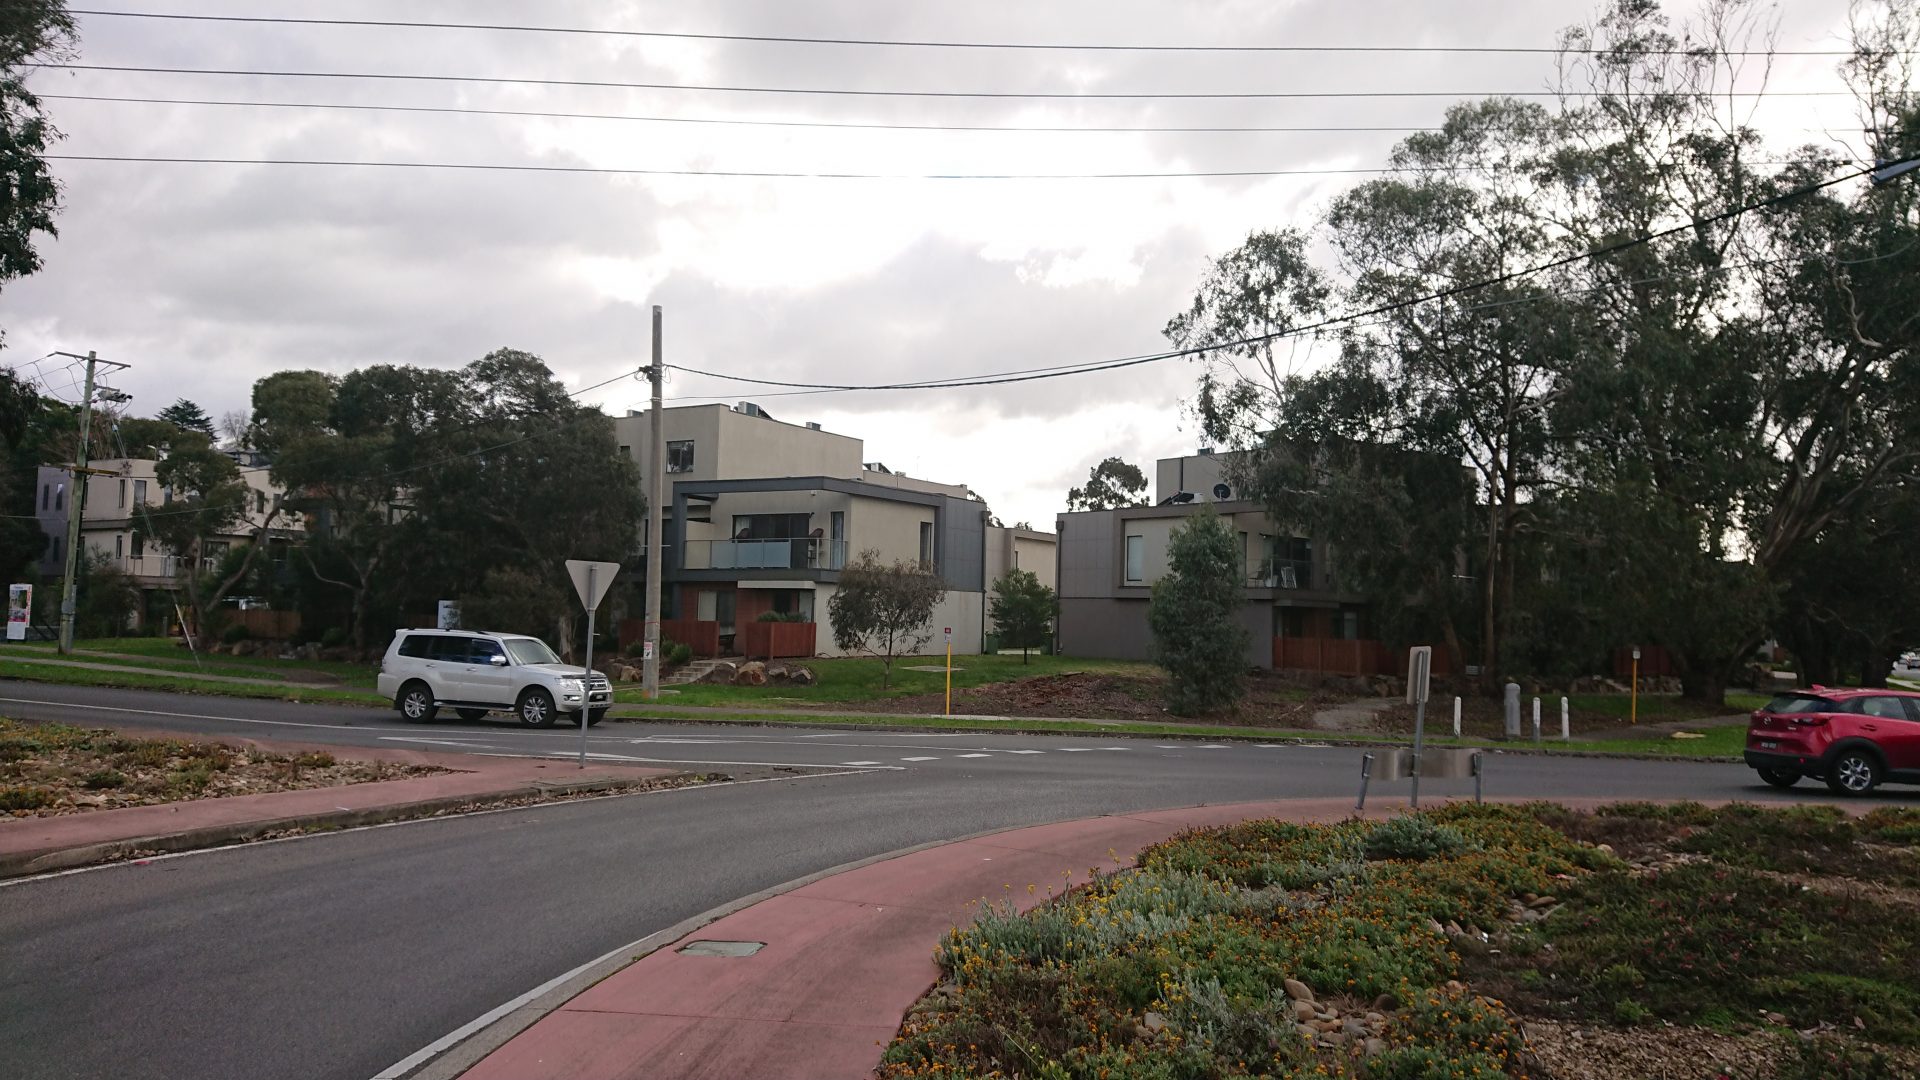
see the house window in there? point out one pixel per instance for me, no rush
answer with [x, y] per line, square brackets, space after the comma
[139, 493]
[123, 494]
[680, 456]
[1349, 625]
[60, 498]
[259, 502]
[626, 451]
[119, 546]
[1136, 560]
[166, 496]
[926, 542]
[139, 545]
[46, 495]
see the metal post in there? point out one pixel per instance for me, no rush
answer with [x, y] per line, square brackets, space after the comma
[949, 674]
[1476, 776]
[1633, 692]
[1419, 744]
[1456, 716]
[76, 506]
[1566, 727]
[586, 676]
[656, 496]
[1366, 773]
[1536, 720]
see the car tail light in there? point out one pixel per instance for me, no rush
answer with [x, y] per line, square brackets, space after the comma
[1816, 720]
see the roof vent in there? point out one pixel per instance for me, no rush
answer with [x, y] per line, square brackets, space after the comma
[748, 408]
[813, 425]
[1206, 451]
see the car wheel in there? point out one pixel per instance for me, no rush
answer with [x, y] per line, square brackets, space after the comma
[416, 703]
[1853, 772]
[536, 708]
[1780, 777]
[595, 716]
[471, 714]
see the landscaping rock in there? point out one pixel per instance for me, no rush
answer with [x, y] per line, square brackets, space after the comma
[752, 673]
[1303, 1011]
[776, 672]
[1374, 1047]
[801, 676]
[1297, 990]
[1154, 1022]
[721, 673]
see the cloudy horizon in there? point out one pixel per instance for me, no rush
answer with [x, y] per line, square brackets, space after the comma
[205, 278]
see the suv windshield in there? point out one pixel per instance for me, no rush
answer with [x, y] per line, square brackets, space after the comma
[1798, 703]
[526, 650]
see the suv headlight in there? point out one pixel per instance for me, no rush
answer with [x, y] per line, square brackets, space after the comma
[573, 684]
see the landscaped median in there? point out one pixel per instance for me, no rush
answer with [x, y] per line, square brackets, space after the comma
[1464, 943]
[73, 796]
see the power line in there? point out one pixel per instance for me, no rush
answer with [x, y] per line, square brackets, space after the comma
[996, 95]
[1035, 374]
[756, 174]
[932, 44]
[540, 114]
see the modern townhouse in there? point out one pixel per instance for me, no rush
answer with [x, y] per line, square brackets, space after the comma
[1294, 611]
[116, 490]
[762, 516]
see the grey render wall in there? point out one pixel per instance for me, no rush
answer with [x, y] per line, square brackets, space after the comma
[960, 547]
[1088, 549]
[1107, 628]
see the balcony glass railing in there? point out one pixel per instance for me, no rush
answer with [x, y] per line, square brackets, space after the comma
[800, 553]
[1286, 574]
[161, 566]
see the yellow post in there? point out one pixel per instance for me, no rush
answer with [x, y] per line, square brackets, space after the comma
[1633, 692]
[949, 674]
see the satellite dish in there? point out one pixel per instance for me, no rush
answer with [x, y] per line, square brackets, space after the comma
[1221, 492]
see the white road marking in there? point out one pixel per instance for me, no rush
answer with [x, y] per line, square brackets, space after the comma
[976, 755]
[919, 759]
[1114, 748]
[1024, 751]
[195, 716]
[562, 756]
[859, 763]
[1214, 746]
[1076, 749]
[440, 742]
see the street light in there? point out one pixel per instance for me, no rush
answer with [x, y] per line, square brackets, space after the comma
[1886, 172]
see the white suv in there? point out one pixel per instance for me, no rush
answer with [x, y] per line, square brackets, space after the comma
[476, 672]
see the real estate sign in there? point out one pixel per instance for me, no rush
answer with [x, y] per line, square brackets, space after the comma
[19, 611]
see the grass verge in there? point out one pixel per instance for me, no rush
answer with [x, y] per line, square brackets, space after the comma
[11, 668]
[1421, 948]
[858, 678]
[170, 653]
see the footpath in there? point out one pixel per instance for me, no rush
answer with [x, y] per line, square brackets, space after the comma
[34, 845]
[812, 980]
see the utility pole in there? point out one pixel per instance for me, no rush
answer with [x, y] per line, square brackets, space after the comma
[76, 506]
[656, 492]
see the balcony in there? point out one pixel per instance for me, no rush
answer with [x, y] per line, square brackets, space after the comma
[167, 567]
[799, 553]
[1284, 574]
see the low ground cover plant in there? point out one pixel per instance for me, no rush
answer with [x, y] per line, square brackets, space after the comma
[61, 769]
[1441, 945]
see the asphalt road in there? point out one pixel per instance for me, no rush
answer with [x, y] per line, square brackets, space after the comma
[336, 955]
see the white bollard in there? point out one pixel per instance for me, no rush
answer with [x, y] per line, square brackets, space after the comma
[1566, 729]
[1456, 716]
[1536, 719]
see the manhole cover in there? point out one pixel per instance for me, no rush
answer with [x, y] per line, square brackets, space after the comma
[722, 948]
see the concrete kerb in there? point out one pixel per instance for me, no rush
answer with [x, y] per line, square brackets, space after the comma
[1296, 739]
[26, 863]
[453, 1054]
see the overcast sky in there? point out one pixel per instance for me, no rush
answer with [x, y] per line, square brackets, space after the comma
[206, 277]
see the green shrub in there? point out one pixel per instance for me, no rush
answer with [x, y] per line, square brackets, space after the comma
[191, 780]
[235, 634]
[1415, 838]
[1834, 1059]
[1433, 1063]
[314, 759]
[24, 798]
[333, 637]
[682, 653]
[104, 780]
[636, 648]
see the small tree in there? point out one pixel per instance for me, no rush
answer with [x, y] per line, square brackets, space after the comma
[1194, 616]
[885, 611]
[1111, 484]
[1022, 611]
[188, 416]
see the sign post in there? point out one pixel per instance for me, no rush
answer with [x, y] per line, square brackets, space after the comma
[590, 580]
[1633, 692]
[1419, 686]
[948, 633]
[19, 611]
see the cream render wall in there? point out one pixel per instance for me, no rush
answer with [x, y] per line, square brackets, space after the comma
[962, 611]
[728, 445]
[892, 528]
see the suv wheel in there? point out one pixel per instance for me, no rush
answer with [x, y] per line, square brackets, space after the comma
[1853, 772]
[536, 708]
[1780, 777]
[416, 703]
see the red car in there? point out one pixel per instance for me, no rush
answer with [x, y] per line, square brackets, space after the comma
[1852, 739]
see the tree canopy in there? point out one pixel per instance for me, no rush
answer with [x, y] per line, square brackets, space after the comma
[1195, 617]
[1110, 485]
[1022, 611]
[885, 610]
[1550, 452]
